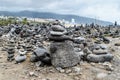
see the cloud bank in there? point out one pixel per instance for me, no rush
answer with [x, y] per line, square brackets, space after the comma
[108, 10]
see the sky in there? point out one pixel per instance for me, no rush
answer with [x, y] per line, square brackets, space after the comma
[108, 10]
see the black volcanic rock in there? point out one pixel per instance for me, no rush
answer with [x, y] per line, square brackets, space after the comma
[63, 54]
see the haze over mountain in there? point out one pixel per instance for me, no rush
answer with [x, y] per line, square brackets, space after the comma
[48, 15]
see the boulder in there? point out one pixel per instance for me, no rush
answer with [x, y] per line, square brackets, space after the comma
[63, 54]
[41, 54]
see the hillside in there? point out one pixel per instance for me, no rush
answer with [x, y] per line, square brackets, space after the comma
[47, 15]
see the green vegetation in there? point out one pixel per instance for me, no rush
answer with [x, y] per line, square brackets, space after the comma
[10, 20]
[5, 22]
[24, 21]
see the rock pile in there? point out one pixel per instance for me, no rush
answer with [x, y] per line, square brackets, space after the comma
[57, 33]
[10, 50]
[52, 43]
[21, 56]
[100, 54]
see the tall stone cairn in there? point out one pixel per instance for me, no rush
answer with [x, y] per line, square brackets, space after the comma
[61, 49]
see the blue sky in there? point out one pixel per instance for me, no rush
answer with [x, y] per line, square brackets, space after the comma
[108, 10]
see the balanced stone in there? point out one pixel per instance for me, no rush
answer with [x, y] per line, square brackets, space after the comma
[10, 55]
[57, 33]
[58, 28]
[60, 39]
[10, 50]
[103, 47]
[79, 40]
[99, 58]
[100, 51]
[28, 47]
[54, 33]
[22, 52]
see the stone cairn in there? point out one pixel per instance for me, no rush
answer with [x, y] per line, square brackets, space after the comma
[21, 56]
[61, 49]
[10, 50]
[1, 42]
[100, 53]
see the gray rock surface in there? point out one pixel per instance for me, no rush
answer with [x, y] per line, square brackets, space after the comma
[63, 55]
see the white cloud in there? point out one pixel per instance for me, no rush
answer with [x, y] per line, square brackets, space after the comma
[108, 10]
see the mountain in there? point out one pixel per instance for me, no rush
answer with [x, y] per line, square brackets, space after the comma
[48, 15]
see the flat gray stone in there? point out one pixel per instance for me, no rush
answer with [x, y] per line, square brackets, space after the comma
[54, 33]
[100, 51]
[59, 38]
[58, 28]
[99, 58]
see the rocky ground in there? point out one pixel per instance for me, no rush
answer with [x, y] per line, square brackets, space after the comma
[83, 71]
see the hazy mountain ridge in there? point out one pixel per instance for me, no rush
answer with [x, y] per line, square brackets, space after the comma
[48, 15]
